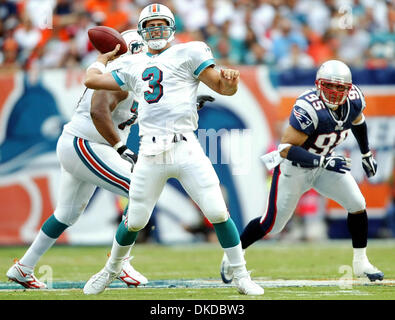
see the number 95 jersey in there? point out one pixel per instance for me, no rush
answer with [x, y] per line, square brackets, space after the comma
[325, 128]
[168, 84]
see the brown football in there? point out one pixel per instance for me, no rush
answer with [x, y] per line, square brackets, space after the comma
[105, 39]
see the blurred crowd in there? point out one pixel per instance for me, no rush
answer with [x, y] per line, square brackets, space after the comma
[279, 33]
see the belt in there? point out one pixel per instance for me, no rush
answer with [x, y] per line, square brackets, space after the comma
[177, 138]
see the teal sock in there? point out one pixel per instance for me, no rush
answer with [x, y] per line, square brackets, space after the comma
[53, 228]
[227, 233]
[125, 237]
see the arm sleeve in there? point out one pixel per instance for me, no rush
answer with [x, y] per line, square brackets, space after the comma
[360, 133]
[303, 157]
[200, 57]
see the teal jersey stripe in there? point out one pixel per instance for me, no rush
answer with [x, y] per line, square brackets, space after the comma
[203, 66]
[117, 79]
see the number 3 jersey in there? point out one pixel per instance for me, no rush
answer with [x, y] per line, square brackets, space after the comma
[123, 115]
[167, 83]
[325, 128]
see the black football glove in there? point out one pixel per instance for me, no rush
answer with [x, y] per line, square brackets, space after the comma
[338, 164]
[369, 164]
[127, 155]
[201, 100]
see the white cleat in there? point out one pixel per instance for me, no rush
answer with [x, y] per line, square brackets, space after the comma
[226, 270]
[100, 281]
[363, 268]
[246, 286]
[130, 276]
[24, 276]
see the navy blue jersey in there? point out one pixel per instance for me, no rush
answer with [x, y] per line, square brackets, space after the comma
[325, 128]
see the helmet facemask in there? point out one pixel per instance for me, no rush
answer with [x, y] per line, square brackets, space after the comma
[157, 37]
[333, 92]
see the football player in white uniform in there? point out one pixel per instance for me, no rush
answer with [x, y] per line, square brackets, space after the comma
[92, 152]
[167, 78]
[88, 159]
[320, 120]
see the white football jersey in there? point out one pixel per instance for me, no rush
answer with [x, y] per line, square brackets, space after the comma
[81, 124]
[167, 86]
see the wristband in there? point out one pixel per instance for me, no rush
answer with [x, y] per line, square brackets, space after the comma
[118, 145]
[98, 65]
[304, 158]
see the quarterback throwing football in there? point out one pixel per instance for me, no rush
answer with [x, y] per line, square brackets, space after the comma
[167, 78]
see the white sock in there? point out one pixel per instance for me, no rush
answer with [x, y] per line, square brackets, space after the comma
[236, 260]
[118, 254]
[36, 250]
[360, 254]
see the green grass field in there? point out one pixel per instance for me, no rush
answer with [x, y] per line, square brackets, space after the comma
[269, 261]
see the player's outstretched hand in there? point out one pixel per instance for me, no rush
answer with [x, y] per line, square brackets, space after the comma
[105, 57]
[338, 164]
[369, 164]
[202, 99]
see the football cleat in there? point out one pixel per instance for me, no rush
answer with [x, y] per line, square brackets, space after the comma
[246, 286]
[24, 276]
[226, 270]
[363, 268]
[100, 281]
[130, 276]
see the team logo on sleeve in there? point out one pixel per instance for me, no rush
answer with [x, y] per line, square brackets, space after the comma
[136, 47]
[303, 117]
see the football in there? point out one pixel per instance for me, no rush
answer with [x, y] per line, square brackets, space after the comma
[104, 39]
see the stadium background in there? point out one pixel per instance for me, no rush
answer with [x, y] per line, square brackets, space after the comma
[276, 44]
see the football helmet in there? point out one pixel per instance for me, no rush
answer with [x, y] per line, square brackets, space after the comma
[156, 37]
[333, 82]
[133, 41]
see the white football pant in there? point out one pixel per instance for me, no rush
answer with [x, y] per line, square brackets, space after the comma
[290, 182]
[185, 161]
[84, 166]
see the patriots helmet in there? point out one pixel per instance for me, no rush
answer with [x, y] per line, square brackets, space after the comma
[156, 37]
[133, 41]
[333, 83]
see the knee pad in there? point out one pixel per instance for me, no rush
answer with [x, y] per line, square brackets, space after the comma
[213, 205]
[68, 215]
[356, 204]
[139, 218]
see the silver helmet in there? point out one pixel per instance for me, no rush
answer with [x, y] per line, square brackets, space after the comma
[333, 82]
